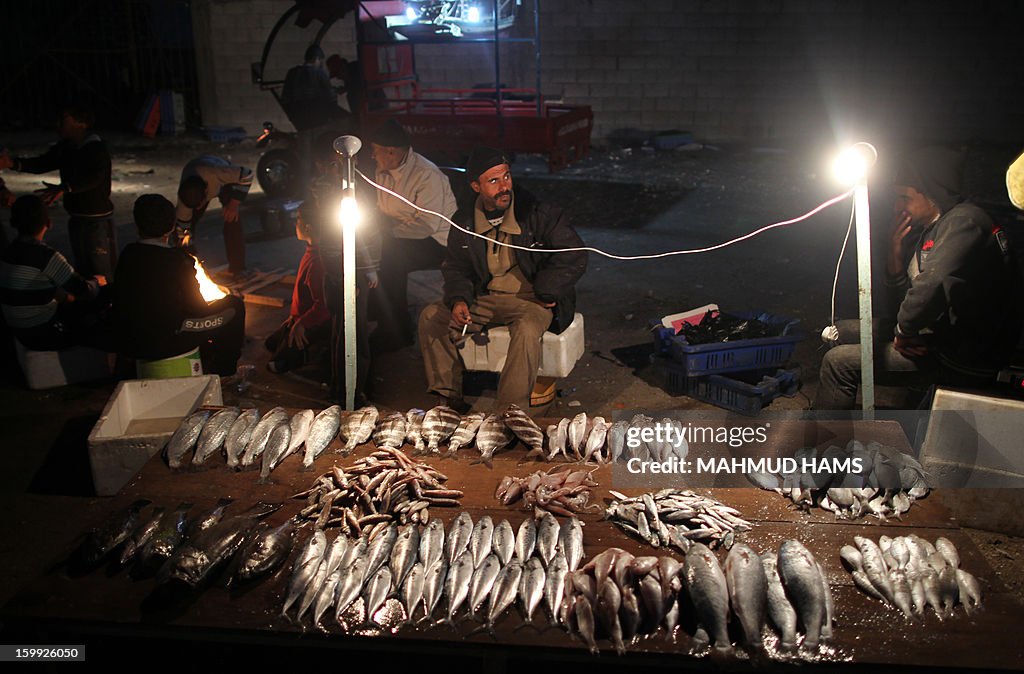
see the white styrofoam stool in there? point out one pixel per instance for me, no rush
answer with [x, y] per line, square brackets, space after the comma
[558, 354]
[75, 364]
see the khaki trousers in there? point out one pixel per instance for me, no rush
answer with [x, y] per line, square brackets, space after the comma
[527, 321]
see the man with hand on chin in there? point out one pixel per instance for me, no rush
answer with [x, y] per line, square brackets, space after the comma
[488, 283]
[947, 273]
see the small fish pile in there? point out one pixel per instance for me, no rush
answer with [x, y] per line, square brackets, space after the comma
[620, 597]
[594, 439]
[851, 482]
[386, 486]
[676, 517]
[715, 327]
[911, 573]
[176, 547]
[479, 568]
[559, 490]
[243, 437]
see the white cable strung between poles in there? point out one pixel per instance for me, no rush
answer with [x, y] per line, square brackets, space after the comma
[652, 256]
[839, 262]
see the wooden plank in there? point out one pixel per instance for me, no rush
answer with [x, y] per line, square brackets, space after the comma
[265, 300]
[866, 632]
[264, 280]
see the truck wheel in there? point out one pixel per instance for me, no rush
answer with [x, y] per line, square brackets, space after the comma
[278, 174]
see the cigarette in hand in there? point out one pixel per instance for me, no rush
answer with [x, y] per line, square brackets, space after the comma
[464, 329]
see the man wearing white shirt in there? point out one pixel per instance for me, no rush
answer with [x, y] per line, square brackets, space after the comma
[413, 240]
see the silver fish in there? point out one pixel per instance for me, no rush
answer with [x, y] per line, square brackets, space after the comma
[710, 595]
[404, 552]
[465, 432]
[239, 435]
[616, 439]
[548, 533]
[948, 551]
[325, 595]
[214, 433]
[559, 441]
[554, 584]
[524, 428]
[414, 429]
[492, 437]
[432, 543]
[350, 586]
[483, 580]
[390, 431]
[185, 437]
[275, 451]
[141, 535]
[526, 539]
[358, 427]
[595, 440]
[930, 581]
[584, 615]
[532, 591]
[266, 551]
[949, 590]
[167, 536]
[875, 568]
[305, 567]
[438, 425]
[481, 540]
[261, 434]
[433, 586]
[459, 534]
[321, 433]
[457, 584]
[300, 424]
[780, 610]
[748, 591]
[327, 566]
[969, 590]
[503, 541]
[570, 540]
[505, 590]
[901, 592]
[577, 433]
[412, 590]
[629, 614]
[376, 593]
[380, 549]
[802, 580]
[855, 563]
[606, 612]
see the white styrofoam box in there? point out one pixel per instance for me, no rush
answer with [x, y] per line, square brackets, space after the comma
[973, 440]
[50, 369]
[558, 354]
[138, 420]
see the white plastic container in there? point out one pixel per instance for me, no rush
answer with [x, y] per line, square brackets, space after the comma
[138, 420]
[558, 355]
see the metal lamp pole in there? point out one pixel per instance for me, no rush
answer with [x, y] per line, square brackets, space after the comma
[867, 345]
[347, 147]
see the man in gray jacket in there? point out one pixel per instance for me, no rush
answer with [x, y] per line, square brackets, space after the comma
[949, 278]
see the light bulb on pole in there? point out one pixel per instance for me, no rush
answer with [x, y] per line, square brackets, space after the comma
[348, 217]
[851, 167]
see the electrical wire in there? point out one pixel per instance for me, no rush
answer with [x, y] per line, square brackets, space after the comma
[613, 256]
[842, 251]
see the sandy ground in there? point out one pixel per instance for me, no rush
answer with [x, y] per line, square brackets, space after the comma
[627, 201]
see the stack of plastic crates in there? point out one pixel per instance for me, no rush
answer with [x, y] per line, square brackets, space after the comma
[756, 366]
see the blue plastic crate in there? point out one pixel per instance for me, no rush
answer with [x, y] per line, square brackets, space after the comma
[732, 394]
[224, 134]
[762, 353]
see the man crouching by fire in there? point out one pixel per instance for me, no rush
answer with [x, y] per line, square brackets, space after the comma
[159, 311]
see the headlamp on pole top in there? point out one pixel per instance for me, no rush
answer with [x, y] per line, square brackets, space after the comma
[852, 165]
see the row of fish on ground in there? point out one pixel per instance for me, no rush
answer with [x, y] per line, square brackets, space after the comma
[886, 485]
[480, 569]
[621, 597]
[189, 547]
[912, 574]
[383, 487]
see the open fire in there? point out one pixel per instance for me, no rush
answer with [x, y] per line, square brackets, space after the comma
[210, 290]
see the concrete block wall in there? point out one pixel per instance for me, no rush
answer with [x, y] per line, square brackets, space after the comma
[747, 70]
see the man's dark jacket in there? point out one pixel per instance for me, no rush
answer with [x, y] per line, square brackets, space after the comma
[553, 275]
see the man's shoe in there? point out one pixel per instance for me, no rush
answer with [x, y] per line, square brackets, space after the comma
[457, 404]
